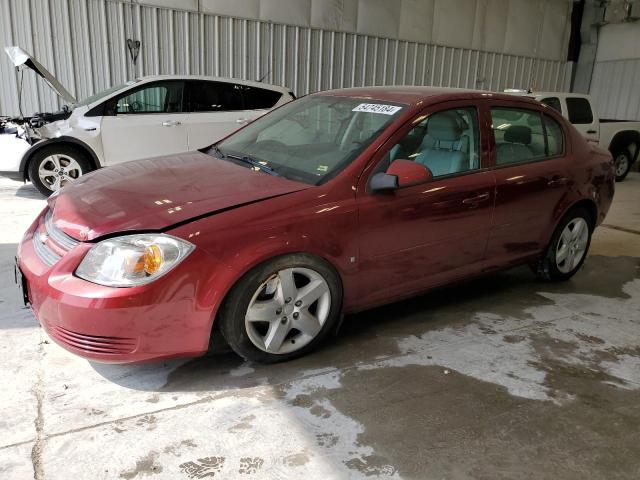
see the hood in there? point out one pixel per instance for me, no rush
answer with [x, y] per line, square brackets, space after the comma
[156, 194]
[20, 58]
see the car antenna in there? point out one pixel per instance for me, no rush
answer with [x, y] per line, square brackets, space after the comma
[264, 76]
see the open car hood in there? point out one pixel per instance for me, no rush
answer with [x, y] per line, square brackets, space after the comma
[20, 58]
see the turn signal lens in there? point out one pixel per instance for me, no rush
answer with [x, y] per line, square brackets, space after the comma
[152, 259]
[132, 260]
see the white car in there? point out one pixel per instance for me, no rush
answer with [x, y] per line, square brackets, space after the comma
[146, 117]
[620, 137]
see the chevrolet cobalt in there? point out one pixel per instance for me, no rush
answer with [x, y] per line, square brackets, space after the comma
[334, 203]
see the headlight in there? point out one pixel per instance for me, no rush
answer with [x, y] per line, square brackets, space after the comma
[132, 260]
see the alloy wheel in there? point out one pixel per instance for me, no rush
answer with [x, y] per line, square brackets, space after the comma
[622, 165]
[55, 171]
[288, 310]
[572, 245]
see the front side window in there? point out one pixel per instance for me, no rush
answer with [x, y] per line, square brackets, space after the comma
[446, 142]
[311, 139]
[579, 110]
[158, 97]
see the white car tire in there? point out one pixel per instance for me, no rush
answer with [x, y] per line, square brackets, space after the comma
[51, 168]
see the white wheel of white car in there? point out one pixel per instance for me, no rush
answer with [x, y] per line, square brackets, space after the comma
[622, 164]
[52, 168]
[55, 171]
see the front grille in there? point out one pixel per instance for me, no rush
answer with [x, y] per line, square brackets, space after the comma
[47, 232]
[48, 256]
[93, 343]
[58, 236]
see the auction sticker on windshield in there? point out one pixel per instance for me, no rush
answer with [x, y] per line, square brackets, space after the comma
[377, 108]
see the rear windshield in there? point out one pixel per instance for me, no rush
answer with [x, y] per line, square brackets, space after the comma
[314, 138]
[579, 110]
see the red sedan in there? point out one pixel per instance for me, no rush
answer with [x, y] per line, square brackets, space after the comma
[334, 203]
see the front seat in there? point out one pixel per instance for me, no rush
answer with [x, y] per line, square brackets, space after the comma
[442, 146]
[515, 148]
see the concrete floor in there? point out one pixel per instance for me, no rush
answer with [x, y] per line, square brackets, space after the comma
[502, 377]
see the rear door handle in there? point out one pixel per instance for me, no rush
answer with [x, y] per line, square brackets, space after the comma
[473, 202]
[171, 123]
[557, 181]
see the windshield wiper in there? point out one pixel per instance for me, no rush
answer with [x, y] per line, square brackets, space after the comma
[217, 151]
[251, 161]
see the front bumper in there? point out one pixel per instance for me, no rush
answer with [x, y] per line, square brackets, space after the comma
[163, 319]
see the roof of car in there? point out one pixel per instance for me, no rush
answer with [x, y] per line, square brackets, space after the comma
[239, 81]
[412, 95]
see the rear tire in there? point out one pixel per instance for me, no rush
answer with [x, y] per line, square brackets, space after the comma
[567, 249]
[622, 163]
[55, 166]
[282, 309]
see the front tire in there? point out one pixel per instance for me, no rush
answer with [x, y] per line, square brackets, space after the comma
[568, 247]
[622, 163]
[281, 309]
[53, 167]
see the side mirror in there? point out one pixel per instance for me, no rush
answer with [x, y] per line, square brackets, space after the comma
[383, 182]
[409, 173]
[400, 174]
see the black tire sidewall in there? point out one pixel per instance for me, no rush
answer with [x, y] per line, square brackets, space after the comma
[41, 154]
[626, 153]
[232, 312]
[548, 269]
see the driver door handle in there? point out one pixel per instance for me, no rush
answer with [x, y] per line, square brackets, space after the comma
[557, 181]
[592, 131]
[171, 123]
[473, 202]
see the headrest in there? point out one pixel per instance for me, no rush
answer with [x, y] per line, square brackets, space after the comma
[444, 126]
[518, 134]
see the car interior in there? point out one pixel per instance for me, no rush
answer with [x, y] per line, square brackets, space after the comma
[519, 135]
[445, 142]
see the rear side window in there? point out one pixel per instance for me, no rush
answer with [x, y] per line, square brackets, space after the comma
[519, 135]
[259, 98]
[206, 96]
[525, 135]
[553, 102]
[579, 110]
[555, 137]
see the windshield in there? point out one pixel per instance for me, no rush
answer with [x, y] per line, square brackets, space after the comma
[102, 94]
[311, 139]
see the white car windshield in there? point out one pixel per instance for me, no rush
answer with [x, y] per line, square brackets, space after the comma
[311, 139]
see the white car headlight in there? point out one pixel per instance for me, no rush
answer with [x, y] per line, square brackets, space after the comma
[132, 260]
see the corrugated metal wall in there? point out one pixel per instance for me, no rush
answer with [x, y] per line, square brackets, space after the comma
[615, 84]
[84, 43]
[615, 87]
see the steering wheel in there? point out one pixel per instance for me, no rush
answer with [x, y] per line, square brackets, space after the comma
[135, 106]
